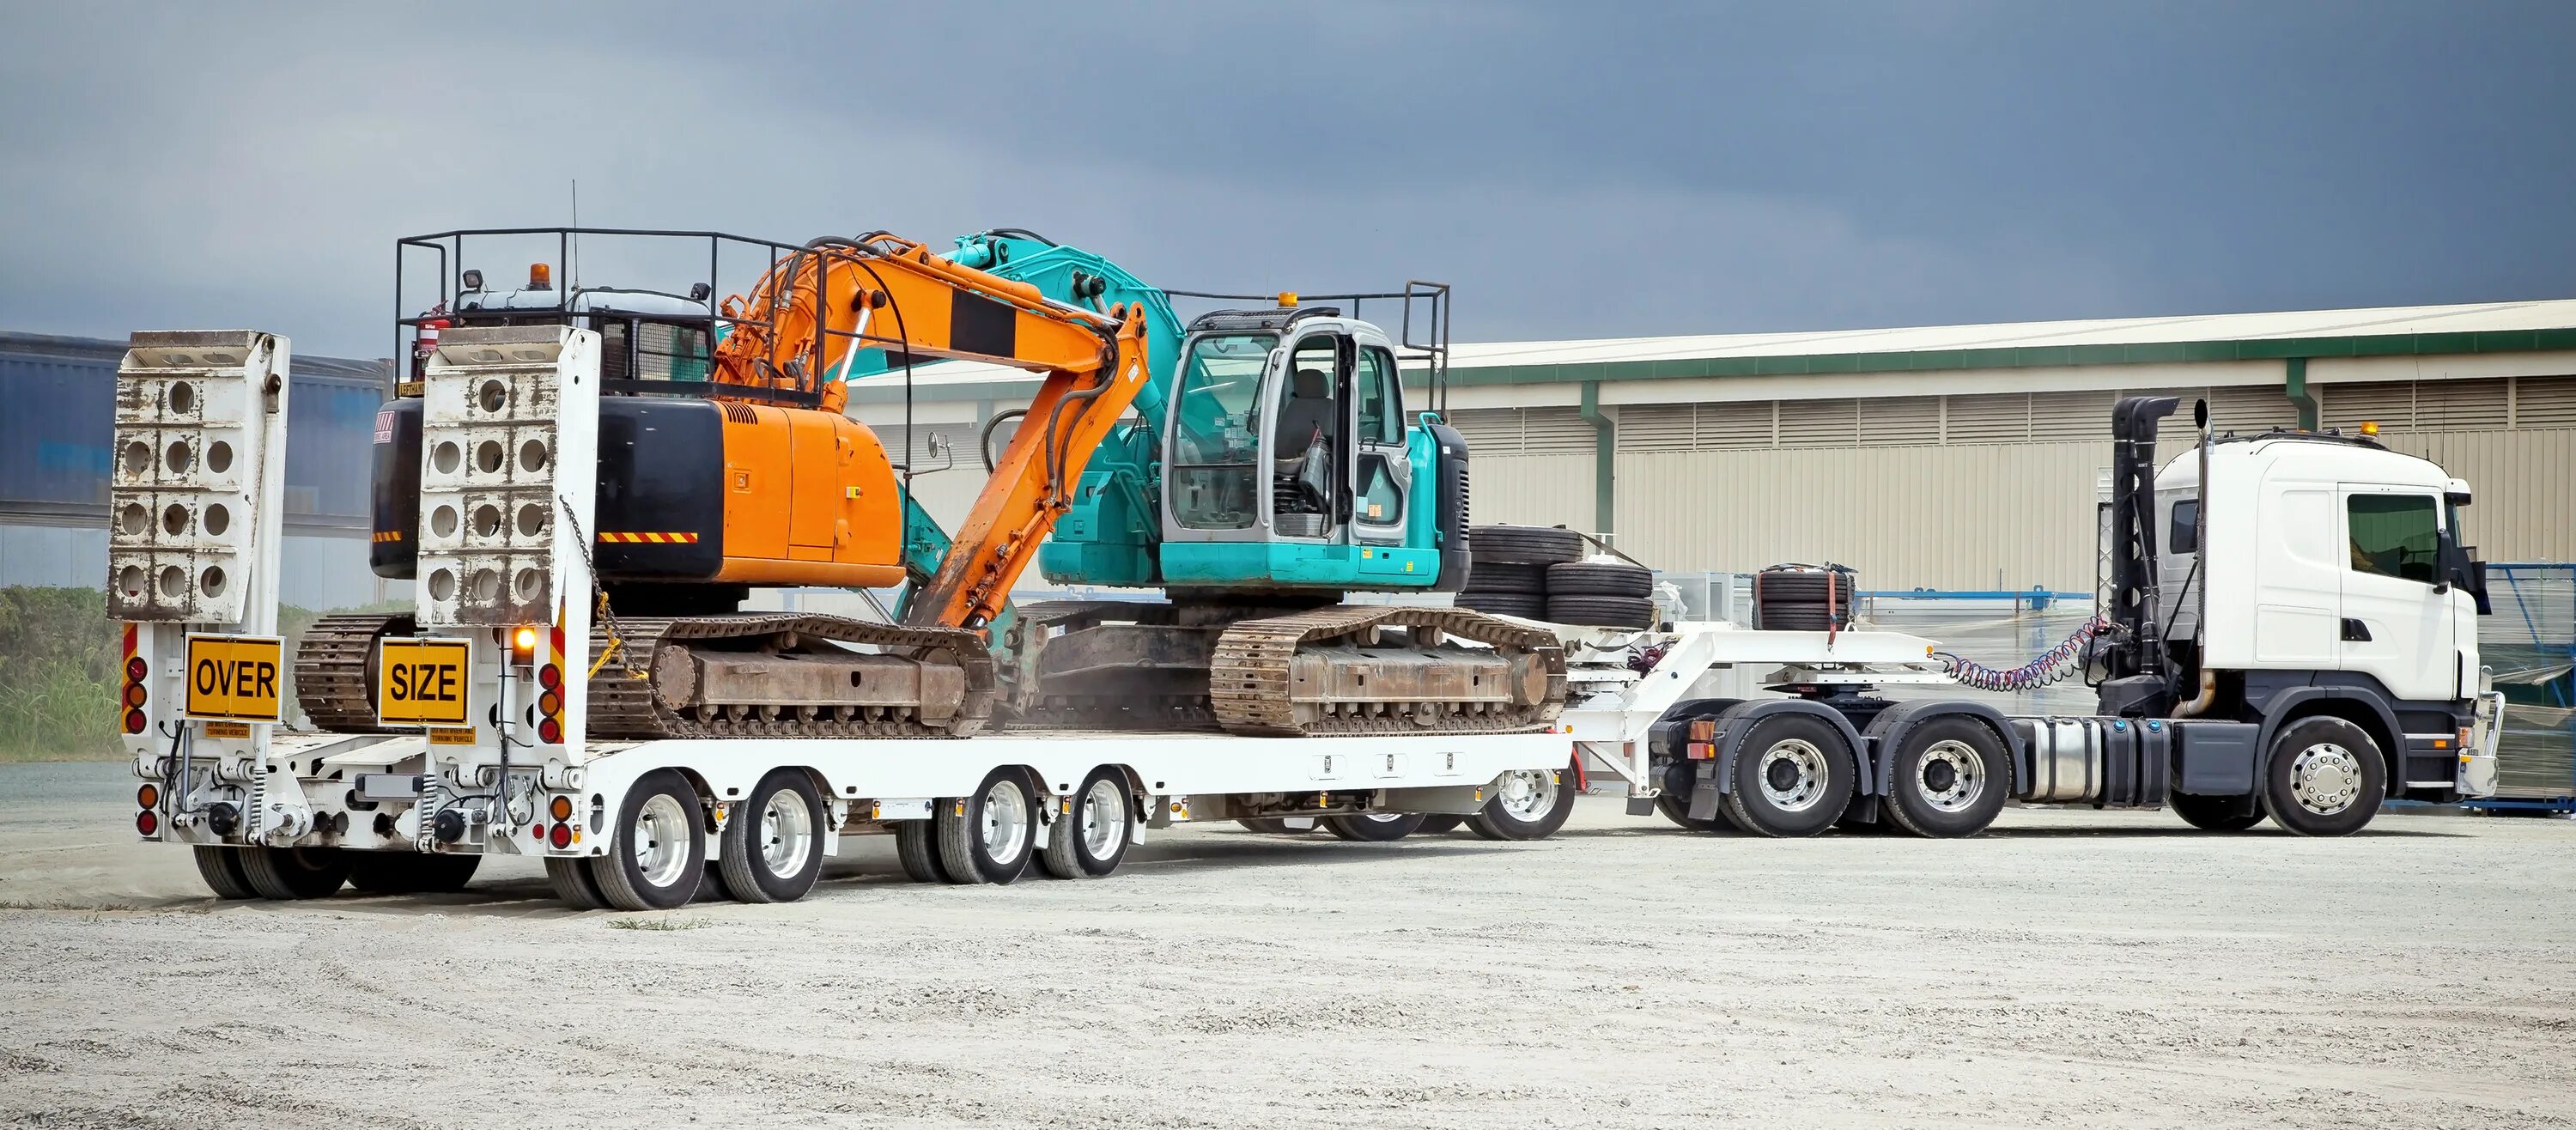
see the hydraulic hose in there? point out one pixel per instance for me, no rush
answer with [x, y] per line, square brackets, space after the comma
[2056, 665]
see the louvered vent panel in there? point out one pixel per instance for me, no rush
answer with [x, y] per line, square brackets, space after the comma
[1488, 430]
[2071, 415]
[1819, 423]
[1658, 427]
[1554, 430]
[2390, 404]
[1989, 418]
[1736, 423]
[2250, 408]
[2544, 402]
[1900, 420]
[2443, 405]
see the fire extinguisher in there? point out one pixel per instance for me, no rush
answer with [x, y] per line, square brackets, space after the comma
[426, 344]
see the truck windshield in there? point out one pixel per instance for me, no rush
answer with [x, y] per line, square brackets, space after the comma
[1216, 432]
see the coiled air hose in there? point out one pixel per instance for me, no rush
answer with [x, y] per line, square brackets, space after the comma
[2055, 665]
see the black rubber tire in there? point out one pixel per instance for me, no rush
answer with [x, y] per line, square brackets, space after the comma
[1852, 823]
[1749, 808]
[1673, 803]
[1504, 604]
[743, 864]
[1526, 545]
[1506, 577]
[1602, 611]
[573, 883]
[1067, 854]
[1437, 823]
[294, 873]
[410, 872]
[1370, 830]
[1975, 759]
[1599, 578]
[221, 868]
[916, 846]
[1495, 822]
[960, 823]
[1268, 826]
[2216, 813]
[2281, 761]
[621, 880]
[1806, 587]
[1798, 618]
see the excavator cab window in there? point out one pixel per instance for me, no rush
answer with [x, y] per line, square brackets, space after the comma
[1216, 440]
[1305, 442]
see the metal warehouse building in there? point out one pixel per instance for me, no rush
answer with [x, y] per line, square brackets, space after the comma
[1954, 457]
[55, 432]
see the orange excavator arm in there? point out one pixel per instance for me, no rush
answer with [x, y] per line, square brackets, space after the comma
[814, 309]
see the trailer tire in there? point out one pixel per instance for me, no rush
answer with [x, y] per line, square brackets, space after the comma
[1524, 545]
[1528, 804]
[773, 846]
[1436, 823]
[916, 846]
[1090, 841]
[1602, 611]
[1373, 827]
[2216, 813]
[1528, 606]
[410, 873]
[574, 883]
[1600, 578]
[2323, 777]
[221, 868]
[1799, 618]
[1950, 778]
[1507, 577]
[1792, 777]
[989, 837]
[658, 858]
[294, 873]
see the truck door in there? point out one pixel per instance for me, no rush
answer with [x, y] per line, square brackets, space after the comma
[1309, 492]
[2394, 626]
[1381, 476]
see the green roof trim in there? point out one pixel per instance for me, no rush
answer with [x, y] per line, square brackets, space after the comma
[880, 391]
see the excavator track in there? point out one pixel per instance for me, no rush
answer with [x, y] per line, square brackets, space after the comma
[651, 687]
[335, 670]
[1258, 687]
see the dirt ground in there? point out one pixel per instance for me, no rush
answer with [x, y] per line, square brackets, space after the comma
[2069, 970]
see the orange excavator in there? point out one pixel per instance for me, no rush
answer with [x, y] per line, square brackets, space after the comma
[725, 463]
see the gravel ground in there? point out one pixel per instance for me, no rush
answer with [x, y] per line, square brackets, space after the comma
[2067, 970]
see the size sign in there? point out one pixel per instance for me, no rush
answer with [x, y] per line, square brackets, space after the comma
[234, 678]
[422, 682]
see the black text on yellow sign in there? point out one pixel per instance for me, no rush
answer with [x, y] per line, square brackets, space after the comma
[234, 678]
[423, 682]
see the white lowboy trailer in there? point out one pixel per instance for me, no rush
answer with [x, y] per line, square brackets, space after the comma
[508, 445]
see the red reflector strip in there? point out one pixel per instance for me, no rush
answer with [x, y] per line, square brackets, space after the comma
[1698, 751]
[620, 538]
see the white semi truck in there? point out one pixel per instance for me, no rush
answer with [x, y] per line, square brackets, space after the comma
[2315, 654]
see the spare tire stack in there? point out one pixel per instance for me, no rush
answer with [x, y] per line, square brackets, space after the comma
[1804, 598]
[1536, 572]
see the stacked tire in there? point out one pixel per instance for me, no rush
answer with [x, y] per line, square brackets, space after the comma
[1537, 573]
[1803, 598]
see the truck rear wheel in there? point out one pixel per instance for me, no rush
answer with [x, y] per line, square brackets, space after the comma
[1950, 778]
[658, 858]
[574, 884]
[410, 872]
[1373, 827]
[222, 870]
[1529, 804]
[990, 836]
[1792, 777]
[2324, 777]
[773, 846]
[294, 873]
[1089, 841]
[2216, 813]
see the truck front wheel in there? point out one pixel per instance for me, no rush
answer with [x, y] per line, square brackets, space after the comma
[2324, 777]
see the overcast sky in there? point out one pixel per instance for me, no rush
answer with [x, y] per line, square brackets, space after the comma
[1575, 169]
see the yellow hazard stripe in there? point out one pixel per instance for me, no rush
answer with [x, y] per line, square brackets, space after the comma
[613, 537]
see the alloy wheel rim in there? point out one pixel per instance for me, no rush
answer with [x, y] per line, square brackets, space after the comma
[1792, 773]
[2325, 778]
[662, 840]
[1951, 776]
[786, 833]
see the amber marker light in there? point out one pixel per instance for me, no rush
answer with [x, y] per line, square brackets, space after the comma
[149, 796]
[562, 808]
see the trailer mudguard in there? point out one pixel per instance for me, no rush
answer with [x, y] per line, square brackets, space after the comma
[1887, 733]
[1739, 720]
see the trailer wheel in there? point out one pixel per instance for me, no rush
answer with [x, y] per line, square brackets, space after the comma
[989, 837]
[1435, 823]
[2324, 777]
[916, 846]
[294, 873]
[1793, 776]
[574, 884]
[222, 870]
[658, 858]
[2216, 813]
[410, 873]
[1373, 827]
[773, 846]
[1950, 779]
[1528, 804]
[1090, 841]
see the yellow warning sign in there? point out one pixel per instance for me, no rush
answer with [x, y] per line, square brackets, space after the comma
[445, 735]
[234, 678]
[422, 682]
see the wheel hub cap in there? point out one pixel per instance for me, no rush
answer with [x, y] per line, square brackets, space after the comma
[661, 840]
[1951, 776]
[1006, 822]
[786, 833]
[2325, 778]
[1528, 794]
[1104, 819]
[1793, 775]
